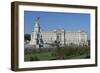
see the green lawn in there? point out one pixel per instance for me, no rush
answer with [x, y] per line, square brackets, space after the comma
[40, 56]
[61, 53]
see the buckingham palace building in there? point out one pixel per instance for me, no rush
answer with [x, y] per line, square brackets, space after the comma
[41, 38]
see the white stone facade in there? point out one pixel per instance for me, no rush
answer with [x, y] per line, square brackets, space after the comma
[40, 38]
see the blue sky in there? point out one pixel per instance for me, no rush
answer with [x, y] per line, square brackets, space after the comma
[55, 20]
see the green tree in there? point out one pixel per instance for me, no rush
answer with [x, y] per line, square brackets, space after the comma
[27, 37]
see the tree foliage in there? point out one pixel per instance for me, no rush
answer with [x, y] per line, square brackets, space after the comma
[27, 37]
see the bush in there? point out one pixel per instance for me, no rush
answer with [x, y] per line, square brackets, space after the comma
[65, 52]
[35, 58]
